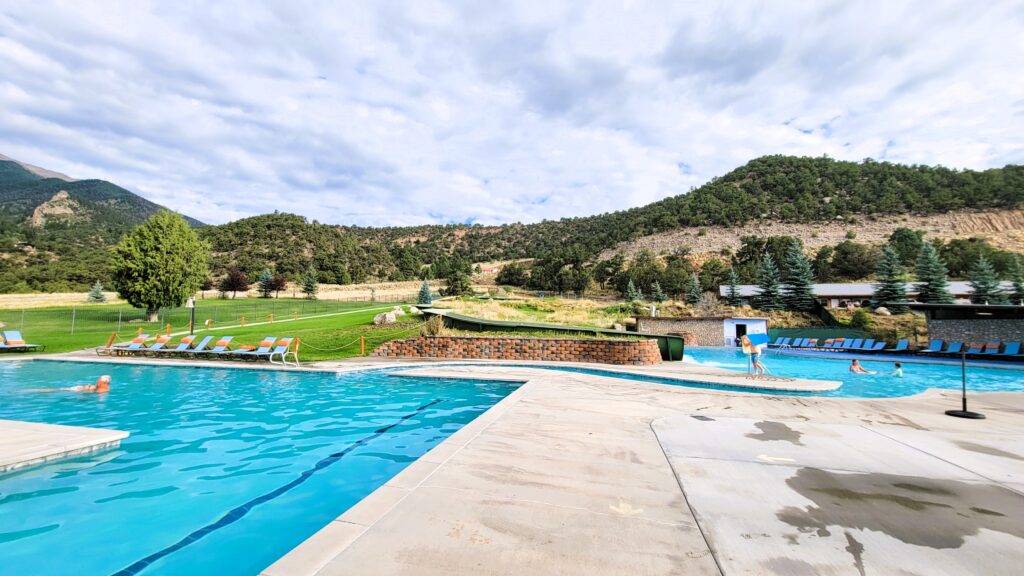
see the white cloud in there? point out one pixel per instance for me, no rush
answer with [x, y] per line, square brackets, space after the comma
[443, 112]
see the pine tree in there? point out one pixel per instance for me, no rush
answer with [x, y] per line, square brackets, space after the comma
[657, 294]
[732, 294]
[985, 283]
[96, 295]
[891, 286]
[266, 283]
[769, 297]
[933, 285]
[424, 298]
[632, 293]
[1016, 273]
[692, 292]
[310, 283]
[798, 293]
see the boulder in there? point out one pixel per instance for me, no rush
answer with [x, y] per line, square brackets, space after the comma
[883, 311]
[384, 318]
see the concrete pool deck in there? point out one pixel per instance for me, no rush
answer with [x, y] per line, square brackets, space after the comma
[29, 443]
[580, 474]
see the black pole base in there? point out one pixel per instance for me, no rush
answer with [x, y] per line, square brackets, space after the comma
[965, 414]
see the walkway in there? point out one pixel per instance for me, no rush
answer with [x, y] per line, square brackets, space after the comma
[28, 443]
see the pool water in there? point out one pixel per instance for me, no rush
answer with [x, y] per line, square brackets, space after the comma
[917, 376]
[225, 470]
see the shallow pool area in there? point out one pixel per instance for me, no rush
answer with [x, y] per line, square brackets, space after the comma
[225, 469]
[917, 377]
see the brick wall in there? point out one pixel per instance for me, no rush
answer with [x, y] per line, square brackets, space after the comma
[695, 331]
[635, 352]
[975, 330]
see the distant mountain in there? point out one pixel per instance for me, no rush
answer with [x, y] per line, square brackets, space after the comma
[53, 217]
[55, 231]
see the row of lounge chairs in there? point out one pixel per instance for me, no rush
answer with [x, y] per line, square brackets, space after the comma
[994, 349]
[11, 341]
[271, 349]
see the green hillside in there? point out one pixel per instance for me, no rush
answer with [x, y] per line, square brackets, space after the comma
[69, 251]
[64, 247]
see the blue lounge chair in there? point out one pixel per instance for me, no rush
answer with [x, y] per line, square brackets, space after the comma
[901, 346]
[786, 343]
[183, 345]
[1011, 349]
[876, 347]
[281, 350]
[159, 345]
[867, 344]
[222, 346]
[201, 347]
[263, 350]
[992, 348]
[12, 341]
[974, 348]
[954, 348]
[934, 346]
[777, 343]
[855, 345]
[136, 344]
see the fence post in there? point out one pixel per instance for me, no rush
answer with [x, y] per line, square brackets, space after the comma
[119, 320]
[362, 345]
[22, 327]
[73, 319]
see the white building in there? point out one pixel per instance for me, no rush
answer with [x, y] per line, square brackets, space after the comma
[843, 295]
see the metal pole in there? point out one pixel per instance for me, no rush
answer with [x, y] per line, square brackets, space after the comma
[964, 412]
[192, 321]
[73, 320]
[118, 320]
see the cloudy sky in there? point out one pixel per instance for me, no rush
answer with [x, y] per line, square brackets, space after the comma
[448, 112]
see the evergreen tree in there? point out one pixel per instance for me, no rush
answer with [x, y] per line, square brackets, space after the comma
[692, 293]
[933, 285]
[310, 283]
[1016, 273]
[160, 263]
[769, 296]
[266, 283]
[732, 294]
[657, 294]
[96, 295]
[891, 286]
[985, 284]
[632, 293]
[424, 298]
[457, 283]
[798, 292]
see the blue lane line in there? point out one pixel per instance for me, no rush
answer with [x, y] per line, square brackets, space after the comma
[237, 513]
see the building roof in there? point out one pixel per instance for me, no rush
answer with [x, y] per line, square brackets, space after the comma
[856, 289]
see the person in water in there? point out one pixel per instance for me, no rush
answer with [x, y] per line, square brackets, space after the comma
[898, 370]
[755, 355]
[102, 386]
[856, 368]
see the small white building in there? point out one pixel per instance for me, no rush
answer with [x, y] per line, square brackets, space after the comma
[735, 328]
[713, 331]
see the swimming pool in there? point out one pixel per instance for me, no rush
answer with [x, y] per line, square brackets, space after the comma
[917, 376]
[225, 470]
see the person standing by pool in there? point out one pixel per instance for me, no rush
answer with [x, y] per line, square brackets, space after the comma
[754, 351]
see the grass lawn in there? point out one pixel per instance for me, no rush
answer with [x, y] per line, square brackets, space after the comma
[66, 328]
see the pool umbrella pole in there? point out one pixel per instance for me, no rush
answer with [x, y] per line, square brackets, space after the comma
[964, 412]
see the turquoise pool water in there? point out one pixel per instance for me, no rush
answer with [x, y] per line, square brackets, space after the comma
[917, 376]
[225, 469]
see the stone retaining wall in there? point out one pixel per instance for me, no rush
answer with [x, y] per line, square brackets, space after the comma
[634, 352]
[976, 330]
[695, 331]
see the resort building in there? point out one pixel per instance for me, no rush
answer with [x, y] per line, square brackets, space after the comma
[717, 331]
[855, 294]
[973, 322]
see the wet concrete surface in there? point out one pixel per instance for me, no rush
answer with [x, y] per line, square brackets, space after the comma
[776, 497]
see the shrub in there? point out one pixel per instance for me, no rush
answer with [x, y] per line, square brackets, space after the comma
[861, 319]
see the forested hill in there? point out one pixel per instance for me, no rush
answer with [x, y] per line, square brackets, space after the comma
[50, 242]
[55, 232]
[784, 188]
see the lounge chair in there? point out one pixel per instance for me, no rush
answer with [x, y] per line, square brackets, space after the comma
[934, 347]
[954, 348]
[867, 344]
[1011, 349]
[801, 343]
[159, 345]
[876, 347]
[974, 348]
[990, 349]
[133, 346]
[201, 347]
[786, 343]
[183, 345]
[855, 345]
[222, 346]
[264, 349]
[901, 346]
[777, 343]
[13, 342]
[281, 350]
[811, 343]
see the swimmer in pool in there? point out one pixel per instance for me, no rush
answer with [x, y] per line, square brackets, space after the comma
[897, 370]
[102, 386]
[856, 368]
